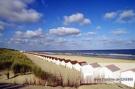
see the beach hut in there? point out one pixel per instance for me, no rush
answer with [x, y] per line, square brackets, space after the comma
[110, 73]
[78, 65]
[53, 60]
[89, 72]
[57, 61]
[128, 77]
[40, 56]
[96, 69]
[49, 59]
[43, 57]
[68, 64]
[62, 62]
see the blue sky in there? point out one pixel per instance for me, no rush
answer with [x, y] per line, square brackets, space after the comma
[67, 24]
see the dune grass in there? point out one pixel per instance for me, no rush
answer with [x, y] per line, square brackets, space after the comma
[66, 76]
[15, 61]
[50, 73]
[18, 63]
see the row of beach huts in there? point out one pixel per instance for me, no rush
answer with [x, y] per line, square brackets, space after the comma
[94, 72]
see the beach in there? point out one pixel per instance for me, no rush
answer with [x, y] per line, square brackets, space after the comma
[123, 64]
[69, 74]
[72, 74]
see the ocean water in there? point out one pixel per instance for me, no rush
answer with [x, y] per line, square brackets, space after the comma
[124, 53]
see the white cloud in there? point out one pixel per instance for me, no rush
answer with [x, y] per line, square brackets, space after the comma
[1, 34]
[63, 31]
[123, 16]
[91, 33]
[29, 33]
[18, 11]
[119, 31]
[98, 27]
[1, 27]
[76, 18]
[110, 15]
[28, 37]
[126, 16]
[37, 39]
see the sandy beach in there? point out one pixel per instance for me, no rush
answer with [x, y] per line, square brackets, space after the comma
[55, 69]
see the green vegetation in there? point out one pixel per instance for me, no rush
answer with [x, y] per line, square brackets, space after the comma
[18, 63]
[15, 61]
[47, 73]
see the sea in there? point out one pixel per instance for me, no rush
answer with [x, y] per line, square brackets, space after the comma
[115, 53]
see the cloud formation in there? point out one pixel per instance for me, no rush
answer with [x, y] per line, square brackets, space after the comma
[90, 33]
[110, 15]
[29, 36]
[76, 18]
[126, 16]
[18, 11]
[98, 27]
[63, 31]
[123, 16]
[119, 31]
[29, 33]
[1, 27]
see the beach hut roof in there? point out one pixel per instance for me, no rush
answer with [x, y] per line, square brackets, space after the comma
[133, 70]
[73, 62]
[95, 65]
[66, 61]
[56, 58]
[83, 62]
[41, 55]
[61, 59]
[113, 68]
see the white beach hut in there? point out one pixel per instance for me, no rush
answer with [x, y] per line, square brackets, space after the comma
[57, 61]
[68, 64]
[62, 62]
[128, 77]
[39, 56]
[110, 73]
[89, 72]
[96, 69]
[43, 56]
[78, 65]
[54, 60]
[48, 59]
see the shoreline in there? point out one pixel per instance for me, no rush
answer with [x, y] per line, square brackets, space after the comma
[97, 56]
[121, 63]
[72, 57]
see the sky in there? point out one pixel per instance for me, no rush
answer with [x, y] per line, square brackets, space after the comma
[67, 24]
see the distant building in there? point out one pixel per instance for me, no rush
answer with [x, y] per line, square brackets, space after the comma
[128, 77]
